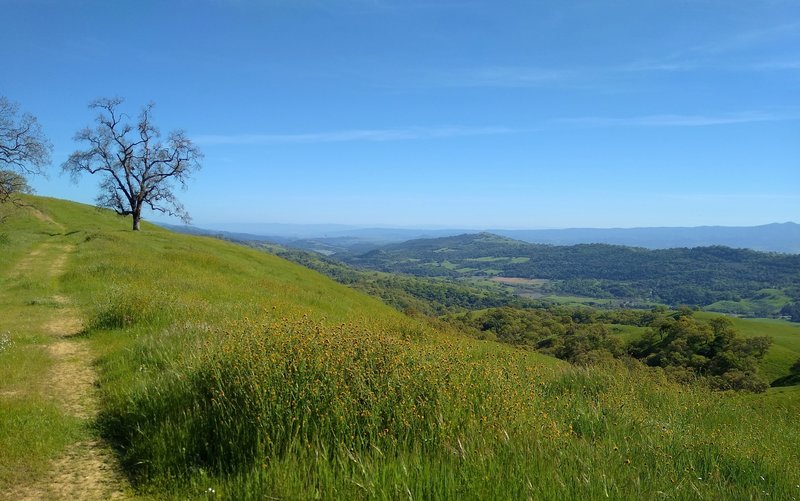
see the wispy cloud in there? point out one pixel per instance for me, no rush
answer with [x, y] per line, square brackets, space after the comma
[655, 66]
[356, 135]
[498, 76]
[749, 39]
[777, 65]
[422, 133]
[716, 197]
[732, 53]
[674, 120]
[707, 55]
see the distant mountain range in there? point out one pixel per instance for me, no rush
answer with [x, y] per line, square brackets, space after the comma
[776, 237]
[330, 239]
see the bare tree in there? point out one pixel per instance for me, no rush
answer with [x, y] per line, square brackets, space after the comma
[138, 169]
[24, 149]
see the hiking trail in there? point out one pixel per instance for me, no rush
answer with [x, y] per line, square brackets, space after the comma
[88, 469]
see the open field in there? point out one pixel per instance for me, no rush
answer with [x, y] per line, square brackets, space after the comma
[626, 332]
[225, 372]
[764, 303]
[520, 281]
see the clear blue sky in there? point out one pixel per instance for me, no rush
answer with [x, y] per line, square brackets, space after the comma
[465, 113]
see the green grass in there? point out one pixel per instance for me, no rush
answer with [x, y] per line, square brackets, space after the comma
[226, 368]
[498, 259]
[487, 259]
[765, 303]
[578, 300]
[32, 432]
[626, 332]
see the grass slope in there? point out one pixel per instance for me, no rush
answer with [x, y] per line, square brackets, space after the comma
[233, 374]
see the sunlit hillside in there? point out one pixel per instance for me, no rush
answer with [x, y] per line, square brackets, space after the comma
[230, 373]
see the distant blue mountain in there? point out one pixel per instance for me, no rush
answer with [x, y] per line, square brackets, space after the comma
[324, 231]
[776, 237]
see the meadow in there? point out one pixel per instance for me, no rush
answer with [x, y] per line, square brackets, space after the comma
[229, 373]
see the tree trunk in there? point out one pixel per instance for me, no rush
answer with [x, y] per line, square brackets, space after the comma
[137, 217]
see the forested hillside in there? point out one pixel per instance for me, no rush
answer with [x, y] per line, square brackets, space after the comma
[697, 276]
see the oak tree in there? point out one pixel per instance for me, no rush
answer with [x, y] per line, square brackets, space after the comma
[138, 168]
[24, 149]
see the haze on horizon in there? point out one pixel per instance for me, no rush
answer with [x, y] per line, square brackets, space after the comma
[410, 113]
[263, 228]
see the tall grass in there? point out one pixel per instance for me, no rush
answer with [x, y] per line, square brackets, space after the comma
[232, 374]
[295, 409]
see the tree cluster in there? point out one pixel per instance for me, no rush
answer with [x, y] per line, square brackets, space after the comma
[792, 310]
[576, 336]
[686, 348]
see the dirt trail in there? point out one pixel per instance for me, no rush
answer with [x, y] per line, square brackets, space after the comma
[41, 216]
[88, 470]
[38, 258]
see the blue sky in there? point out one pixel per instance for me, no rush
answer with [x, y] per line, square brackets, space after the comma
[468, 113]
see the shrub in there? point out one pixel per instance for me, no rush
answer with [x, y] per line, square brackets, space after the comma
[740, 381]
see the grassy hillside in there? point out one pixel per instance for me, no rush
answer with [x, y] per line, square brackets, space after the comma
[233, 374]
[405, 293]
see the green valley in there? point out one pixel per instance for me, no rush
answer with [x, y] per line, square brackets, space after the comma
[735, 281]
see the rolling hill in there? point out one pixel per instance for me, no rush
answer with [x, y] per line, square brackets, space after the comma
[227, 373]
[698, 276]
